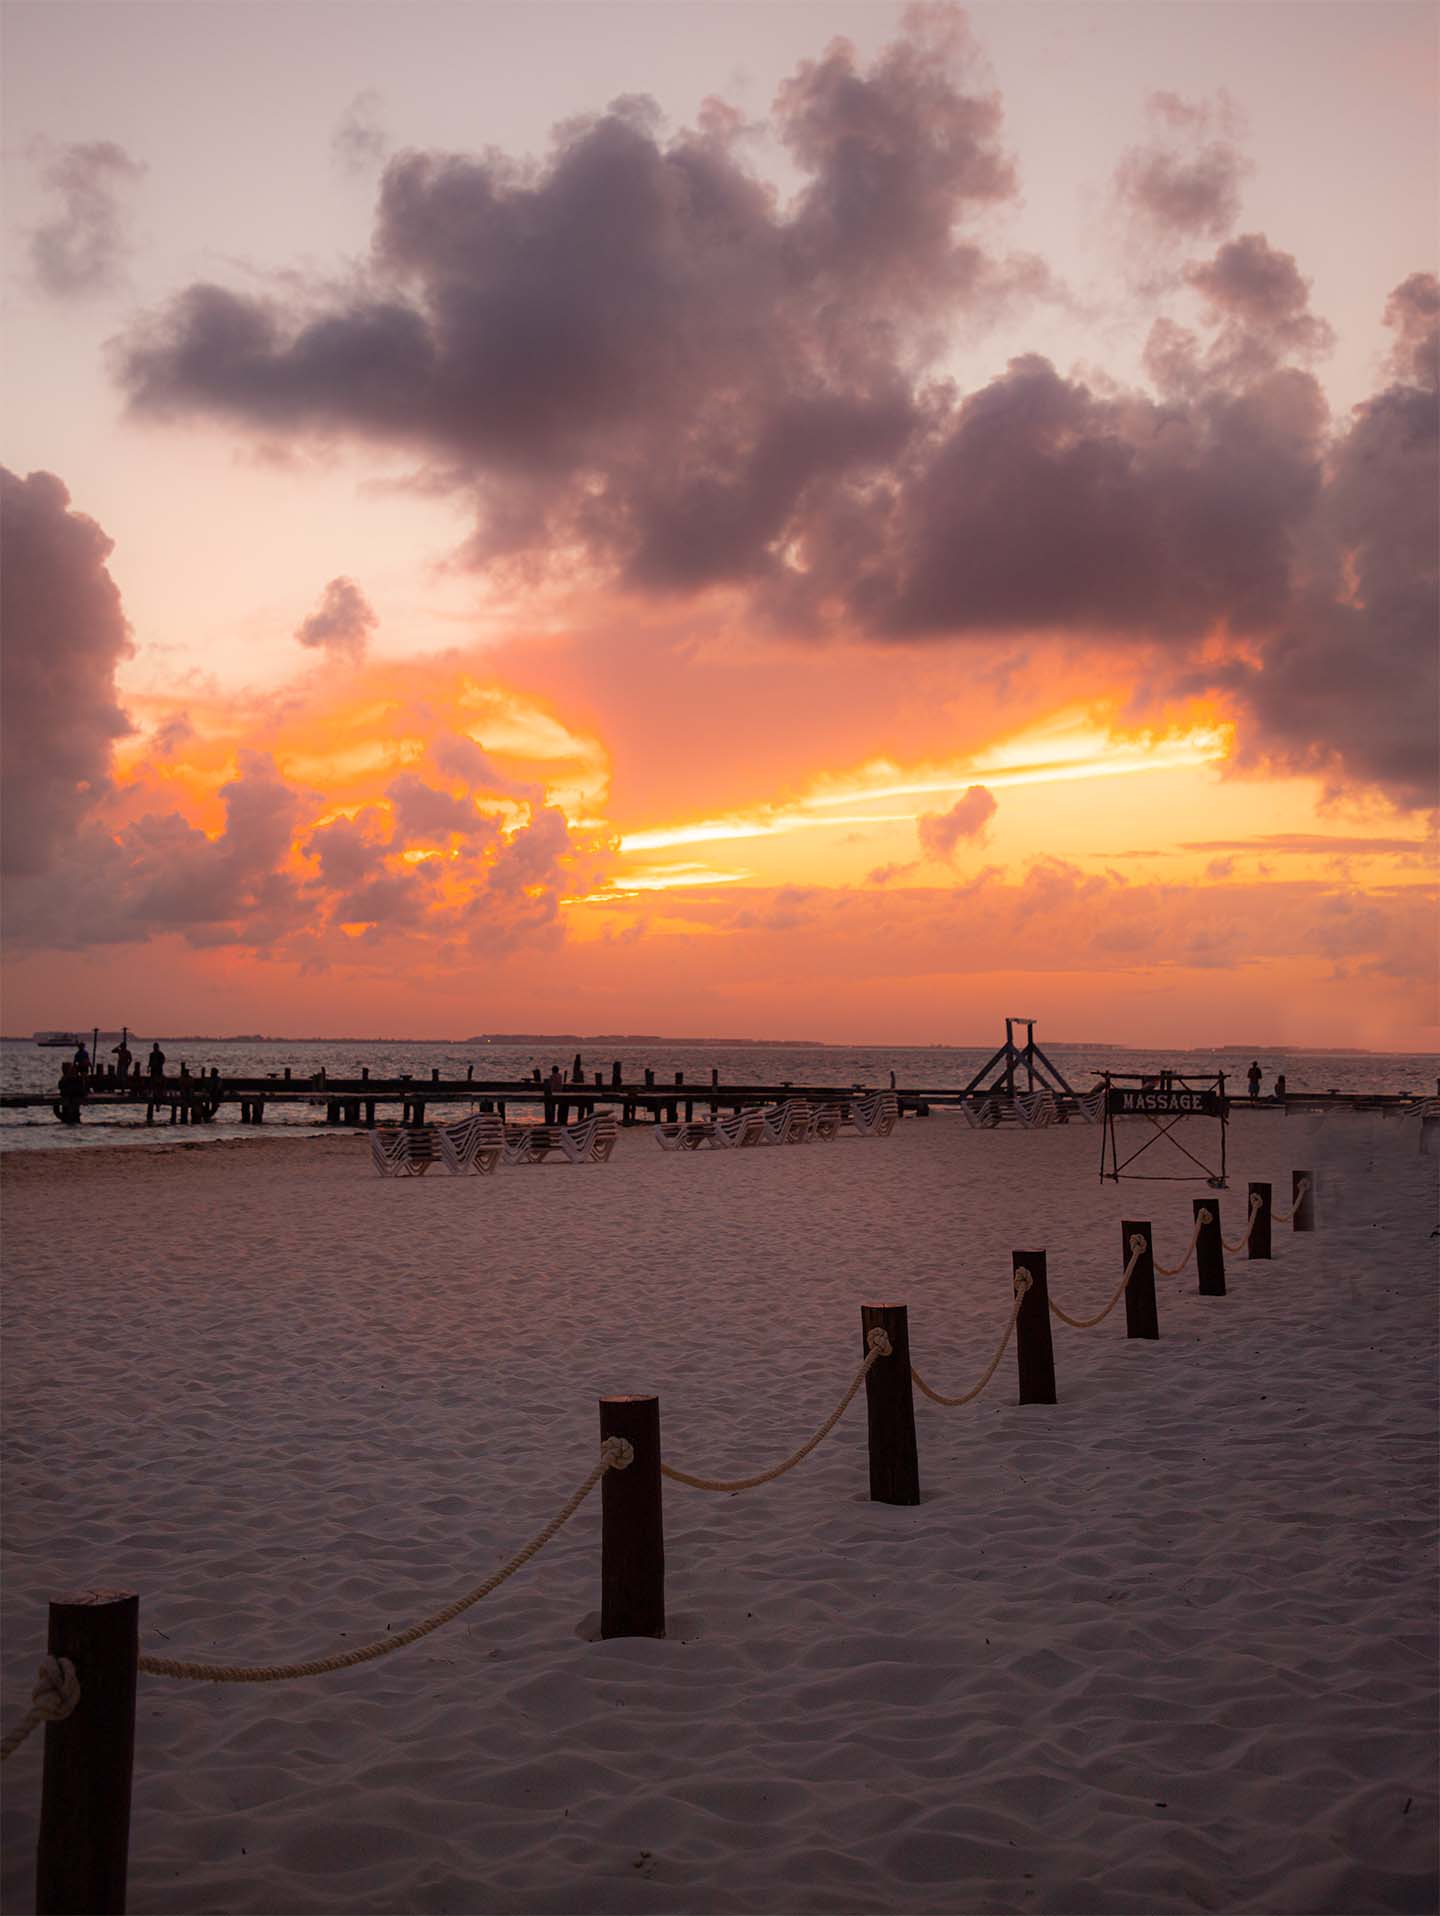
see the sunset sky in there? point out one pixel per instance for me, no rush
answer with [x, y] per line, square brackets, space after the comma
[824, 521]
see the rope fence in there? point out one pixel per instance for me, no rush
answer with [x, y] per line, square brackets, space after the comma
[1202, 1218]
[614, 1455]
[1137, 1251]
[1023, 1282]
[94, 1651]
[1242, 1243]
[879, 1344]
[1297, 1203]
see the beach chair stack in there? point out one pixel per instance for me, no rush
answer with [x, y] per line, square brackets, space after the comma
[482, 1141]
[793, 1121]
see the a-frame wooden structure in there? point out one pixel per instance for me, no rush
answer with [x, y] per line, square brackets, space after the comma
[1040, 1072]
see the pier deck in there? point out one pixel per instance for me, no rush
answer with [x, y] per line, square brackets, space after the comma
[360, 1100]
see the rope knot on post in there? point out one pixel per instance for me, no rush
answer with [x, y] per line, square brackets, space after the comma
[57, 1689]
[54, 1697]
[617, 1453]
[878, 1340]
[1137, 1242]
[1023, 1281]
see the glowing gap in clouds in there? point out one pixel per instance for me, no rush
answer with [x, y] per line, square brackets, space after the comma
[1201, 746]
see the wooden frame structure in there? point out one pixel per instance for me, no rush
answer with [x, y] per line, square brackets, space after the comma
[1166, 1100]
[1011, 1058]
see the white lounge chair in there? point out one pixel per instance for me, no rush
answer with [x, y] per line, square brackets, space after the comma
[741, 1131]
[591, 1140]
[877, 1115]
[787, 1123]
[403, 1151]
[471, 1144]
[682, 1136]
[825, 1121]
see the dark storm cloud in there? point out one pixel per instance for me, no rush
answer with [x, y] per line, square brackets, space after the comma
[343, 623]
[636, 349]
[82, 249]
[65, 633]
[636, 357]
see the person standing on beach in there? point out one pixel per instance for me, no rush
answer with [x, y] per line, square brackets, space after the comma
[1253, 1077]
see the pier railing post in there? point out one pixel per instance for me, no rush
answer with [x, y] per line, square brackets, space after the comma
[84, 1845]
[632, 1527]
[1034, 1348]
[1142, 1319]
[1209, 1249]
[1260, 1230]
[890, 1408]
[1303, 1202]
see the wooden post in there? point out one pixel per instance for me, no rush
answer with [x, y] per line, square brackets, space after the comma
[615, 1074]
[1141, 1317]
[632, 1527]
[890, 1408]
[1260, 1234]
[714, 1083]
[1209, 1249]
[1034, 1349]
[1303, 1204]
[435, 1075]
[287, 1072]
[84, 1845]
[649, 1078]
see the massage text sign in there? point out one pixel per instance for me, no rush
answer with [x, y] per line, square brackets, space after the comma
[1163, 1104]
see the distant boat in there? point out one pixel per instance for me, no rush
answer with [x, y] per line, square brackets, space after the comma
[61, 1040]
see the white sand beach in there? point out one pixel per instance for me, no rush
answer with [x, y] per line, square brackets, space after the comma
[1167, 1645]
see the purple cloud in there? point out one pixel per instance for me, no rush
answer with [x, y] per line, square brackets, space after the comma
[941, 832]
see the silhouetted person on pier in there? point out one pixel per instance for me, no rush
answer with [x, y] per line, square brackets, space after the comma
[1252, 1078]
[122, 1059]
[1280, 1086]
[554, 1085]
[82, 1057]
[157, 1060]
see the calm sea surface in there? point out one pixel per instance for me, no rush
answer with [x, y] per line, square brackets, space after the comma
[25, 1066]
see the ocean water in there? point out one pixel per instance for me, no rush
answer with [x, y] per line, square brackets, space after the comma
[27, 1067]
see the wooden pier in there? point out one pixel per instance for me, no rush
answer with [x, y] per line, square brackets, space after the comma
[365, 1101]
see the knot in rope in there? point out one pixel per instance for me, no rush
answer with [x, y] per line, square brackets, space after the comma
[1137, 1242]
[57, 1689]
[1202, 1216]
[1023, 1281]
[617, 1453]
[877, 1339]
[54, 1697]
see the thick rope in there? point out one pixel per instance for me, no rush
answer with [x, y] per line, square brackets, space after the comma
[1242, 1242]
[880, 1347]
[615, 1454]
[56, 1692]
[1202, 1218]
[1023, 1281]
[1137, 1247]
[1288, 1217]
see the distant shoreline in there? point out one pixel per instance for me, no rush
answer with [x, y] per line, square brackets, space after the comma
[1256, 1048]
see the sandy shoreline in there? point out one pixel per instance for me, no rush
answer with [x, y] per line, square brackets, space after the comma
[1169, 1644]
